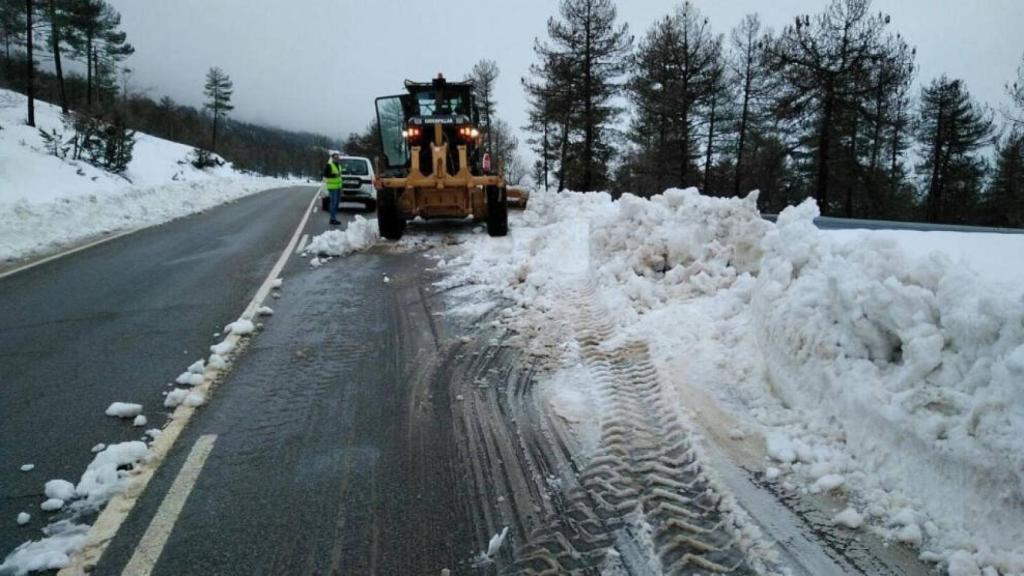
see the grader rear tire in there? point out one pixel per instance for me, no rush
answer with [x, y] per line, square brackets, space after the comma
[497, 212]
[389, 222]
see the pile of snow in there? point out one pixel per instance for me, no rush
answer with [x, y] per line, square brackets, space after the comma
[918, 361]
[360, 234]
[48, 203]
[890, 375]
[62, 539]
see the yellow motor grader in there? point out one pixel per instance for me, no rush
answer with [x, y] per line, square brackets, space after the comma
[433, 163]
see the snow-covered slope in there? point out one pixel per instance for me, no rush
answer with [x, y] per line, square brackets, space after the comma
[47, 203]
[889, 376]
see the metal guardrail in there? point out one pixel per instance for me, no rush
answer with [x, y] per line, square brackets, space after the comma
[831, 223]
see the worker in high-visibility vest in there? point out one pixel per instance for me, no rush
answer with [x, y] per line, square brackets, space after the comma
[332, 182]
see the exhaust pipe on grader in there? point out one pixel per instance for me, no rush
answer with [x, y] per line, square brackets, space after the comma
[433, 164]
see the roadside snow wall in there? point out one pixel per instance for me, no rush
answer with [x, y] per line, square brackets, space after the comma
[918, 361]
[900, 376]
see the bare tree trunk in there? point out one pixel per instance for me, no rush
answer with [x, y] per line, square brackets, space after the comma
[88, 70]
[711, 145]
[31, 66]
[563, 155]
[824, 142]
[55, 38]
[588, 95]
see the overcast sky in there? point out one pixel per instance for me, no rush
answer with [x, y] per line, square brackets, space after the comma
[318, 64]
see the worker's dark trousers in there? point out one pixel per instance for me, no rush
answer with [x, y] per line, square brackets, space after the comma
[335, 197]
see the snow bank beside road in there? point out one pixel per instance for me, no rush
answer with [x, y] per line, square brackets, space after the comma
[920, 364]
[48, 203]
[889, 375]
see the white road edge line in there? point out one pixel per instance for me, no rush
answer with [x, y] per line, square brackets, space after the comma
[148, 552]
[59, 255]
[302, 244]
[117, 510]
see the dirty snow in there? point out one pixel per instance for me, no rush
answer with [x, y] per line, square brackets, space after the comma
[880, 367]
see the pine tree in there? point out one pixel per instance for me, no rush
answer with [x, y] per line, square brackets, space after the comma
[747, 72]
[1004, 201]
[676, 74]
[12, 28]
[58, 21]
[219, 90]
[30, 79]
[96, 40]
[585, 59]
[951, 128]
[716, 111]
[1016, 92]
[825, 70]
[484, 75]
[543, 119]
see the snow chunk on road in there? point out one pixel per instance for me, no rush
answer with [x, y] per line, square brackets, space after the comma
[217, 362]
[98, 448]
[51, 553]
[496, 541]
[780, 448]
[276, 283]
[827, 483]
[197, 367]
[849, 518]
[140, 421]
[27, 467]
[61, 489]
[359, 235]
[24, 518]
[52, 504]
[240, 327]
[194, 399]
[124, 410]
[102, 478]
[175, 397]
[265, 311]
[189, 379]
[223, 349]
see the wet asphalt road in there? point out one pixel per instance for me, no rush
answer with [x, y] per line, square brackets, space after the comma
[116, 323]
[335, 452]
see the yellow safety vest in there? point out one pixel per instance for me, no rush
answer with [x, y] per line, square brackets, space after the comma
[334, 182]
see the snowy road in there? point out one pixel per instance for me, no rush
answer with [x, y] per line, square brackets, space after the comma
[116, 323]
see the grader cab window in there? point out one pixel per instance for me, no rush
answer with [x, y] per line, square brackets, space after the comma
[428, 104]
[391, 119]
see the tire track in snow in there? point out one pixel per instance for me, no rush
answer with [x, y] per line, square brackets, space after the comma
[639, 505]
[644, 492]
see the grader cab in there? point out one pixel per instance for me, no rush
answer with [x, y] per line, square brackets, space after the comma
[432, 163]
